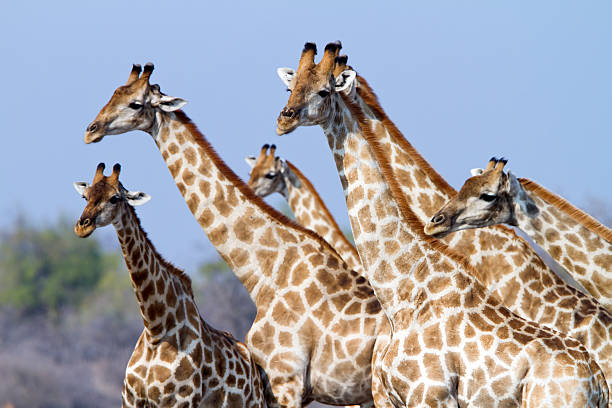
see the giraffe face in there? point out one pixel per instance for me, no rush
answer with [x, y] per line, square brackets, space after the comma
[106, 200]
[488, 198]
[270, 174]
[310, 100]
[133, 106]
[313, 89]
[267, 178]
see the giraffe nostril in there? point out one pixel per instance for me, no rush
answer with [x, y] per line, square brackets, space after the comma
[84, 222]
[438, 219]
[288, 112]
[92, 127]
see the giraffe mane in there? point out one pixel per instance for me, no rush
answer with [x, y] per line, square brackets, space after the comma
[575, 213]
[173, 270]
[318, 199]
[406, 213]
[243, 188]
[369, 97]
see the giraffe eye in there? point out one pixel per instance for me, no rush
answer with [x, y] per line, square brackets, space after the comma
[114, 199]
[270, 175]
[488, 197]
[323, 93]
[135, 105]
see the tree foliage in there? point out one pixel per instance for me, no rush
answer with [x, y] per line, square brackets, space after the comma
[45, 268]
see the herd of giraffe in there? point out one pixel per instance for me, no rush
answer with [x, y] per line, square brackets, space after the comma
[411, 316]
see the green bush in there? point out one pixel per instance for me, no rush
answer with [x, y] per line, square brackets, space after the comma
[44, 269]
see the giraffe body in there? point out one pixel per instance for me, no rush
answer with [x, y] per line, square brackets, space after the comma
[179, 360]
[271, 174]
[433, 304]
[317, 321]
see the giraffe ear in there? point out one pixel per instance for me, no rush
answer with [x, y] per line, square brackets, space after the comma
[476, 172]
[168, 103]
[286, 171]
[250, 160]
[525, 202]
[286, 75]
[135, 198]
[81, 187]
[345, 80]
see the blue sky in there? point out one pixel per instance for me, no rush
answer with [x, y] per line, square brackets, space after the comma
[527, 80]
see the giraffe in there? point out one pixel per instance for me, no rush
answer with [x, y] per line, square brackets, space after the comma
[531, 290]
[573, 238]
[453, 343]
[317, 321]
[179, 359]
[270, 174]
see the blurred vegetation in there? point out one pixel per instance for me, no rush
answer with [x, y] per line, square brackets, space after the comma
[208, 269]
[43, 269]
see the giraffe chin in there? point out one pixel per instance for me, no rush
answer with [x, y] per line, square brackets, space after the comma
[84, 232]
[436, 231]
[92, 138]
[283, 130]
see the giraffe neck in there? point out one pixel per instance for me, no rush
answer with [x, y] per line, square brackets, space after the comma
[426, 192]
[311, 212]
[502, 261]
[578, 242]
[163, 292]
[394, 253]
[256, 241]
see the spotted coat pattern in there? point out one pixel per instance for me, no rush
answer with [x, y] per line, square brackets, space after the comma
[493, 197]
[311, 212]
[573, 238]
[503, 262]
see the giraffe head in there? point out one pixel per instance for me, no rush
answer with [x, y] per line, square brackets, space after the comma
[270, 174]
[106, 200]
[133, 106]
[313, 87]
[487, 198]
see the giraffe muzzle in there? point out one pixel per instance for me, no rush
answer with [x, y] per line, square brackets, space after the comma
[437, 226]
[288, 112]
[93, 133]
[84, 227]
[287, 121]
